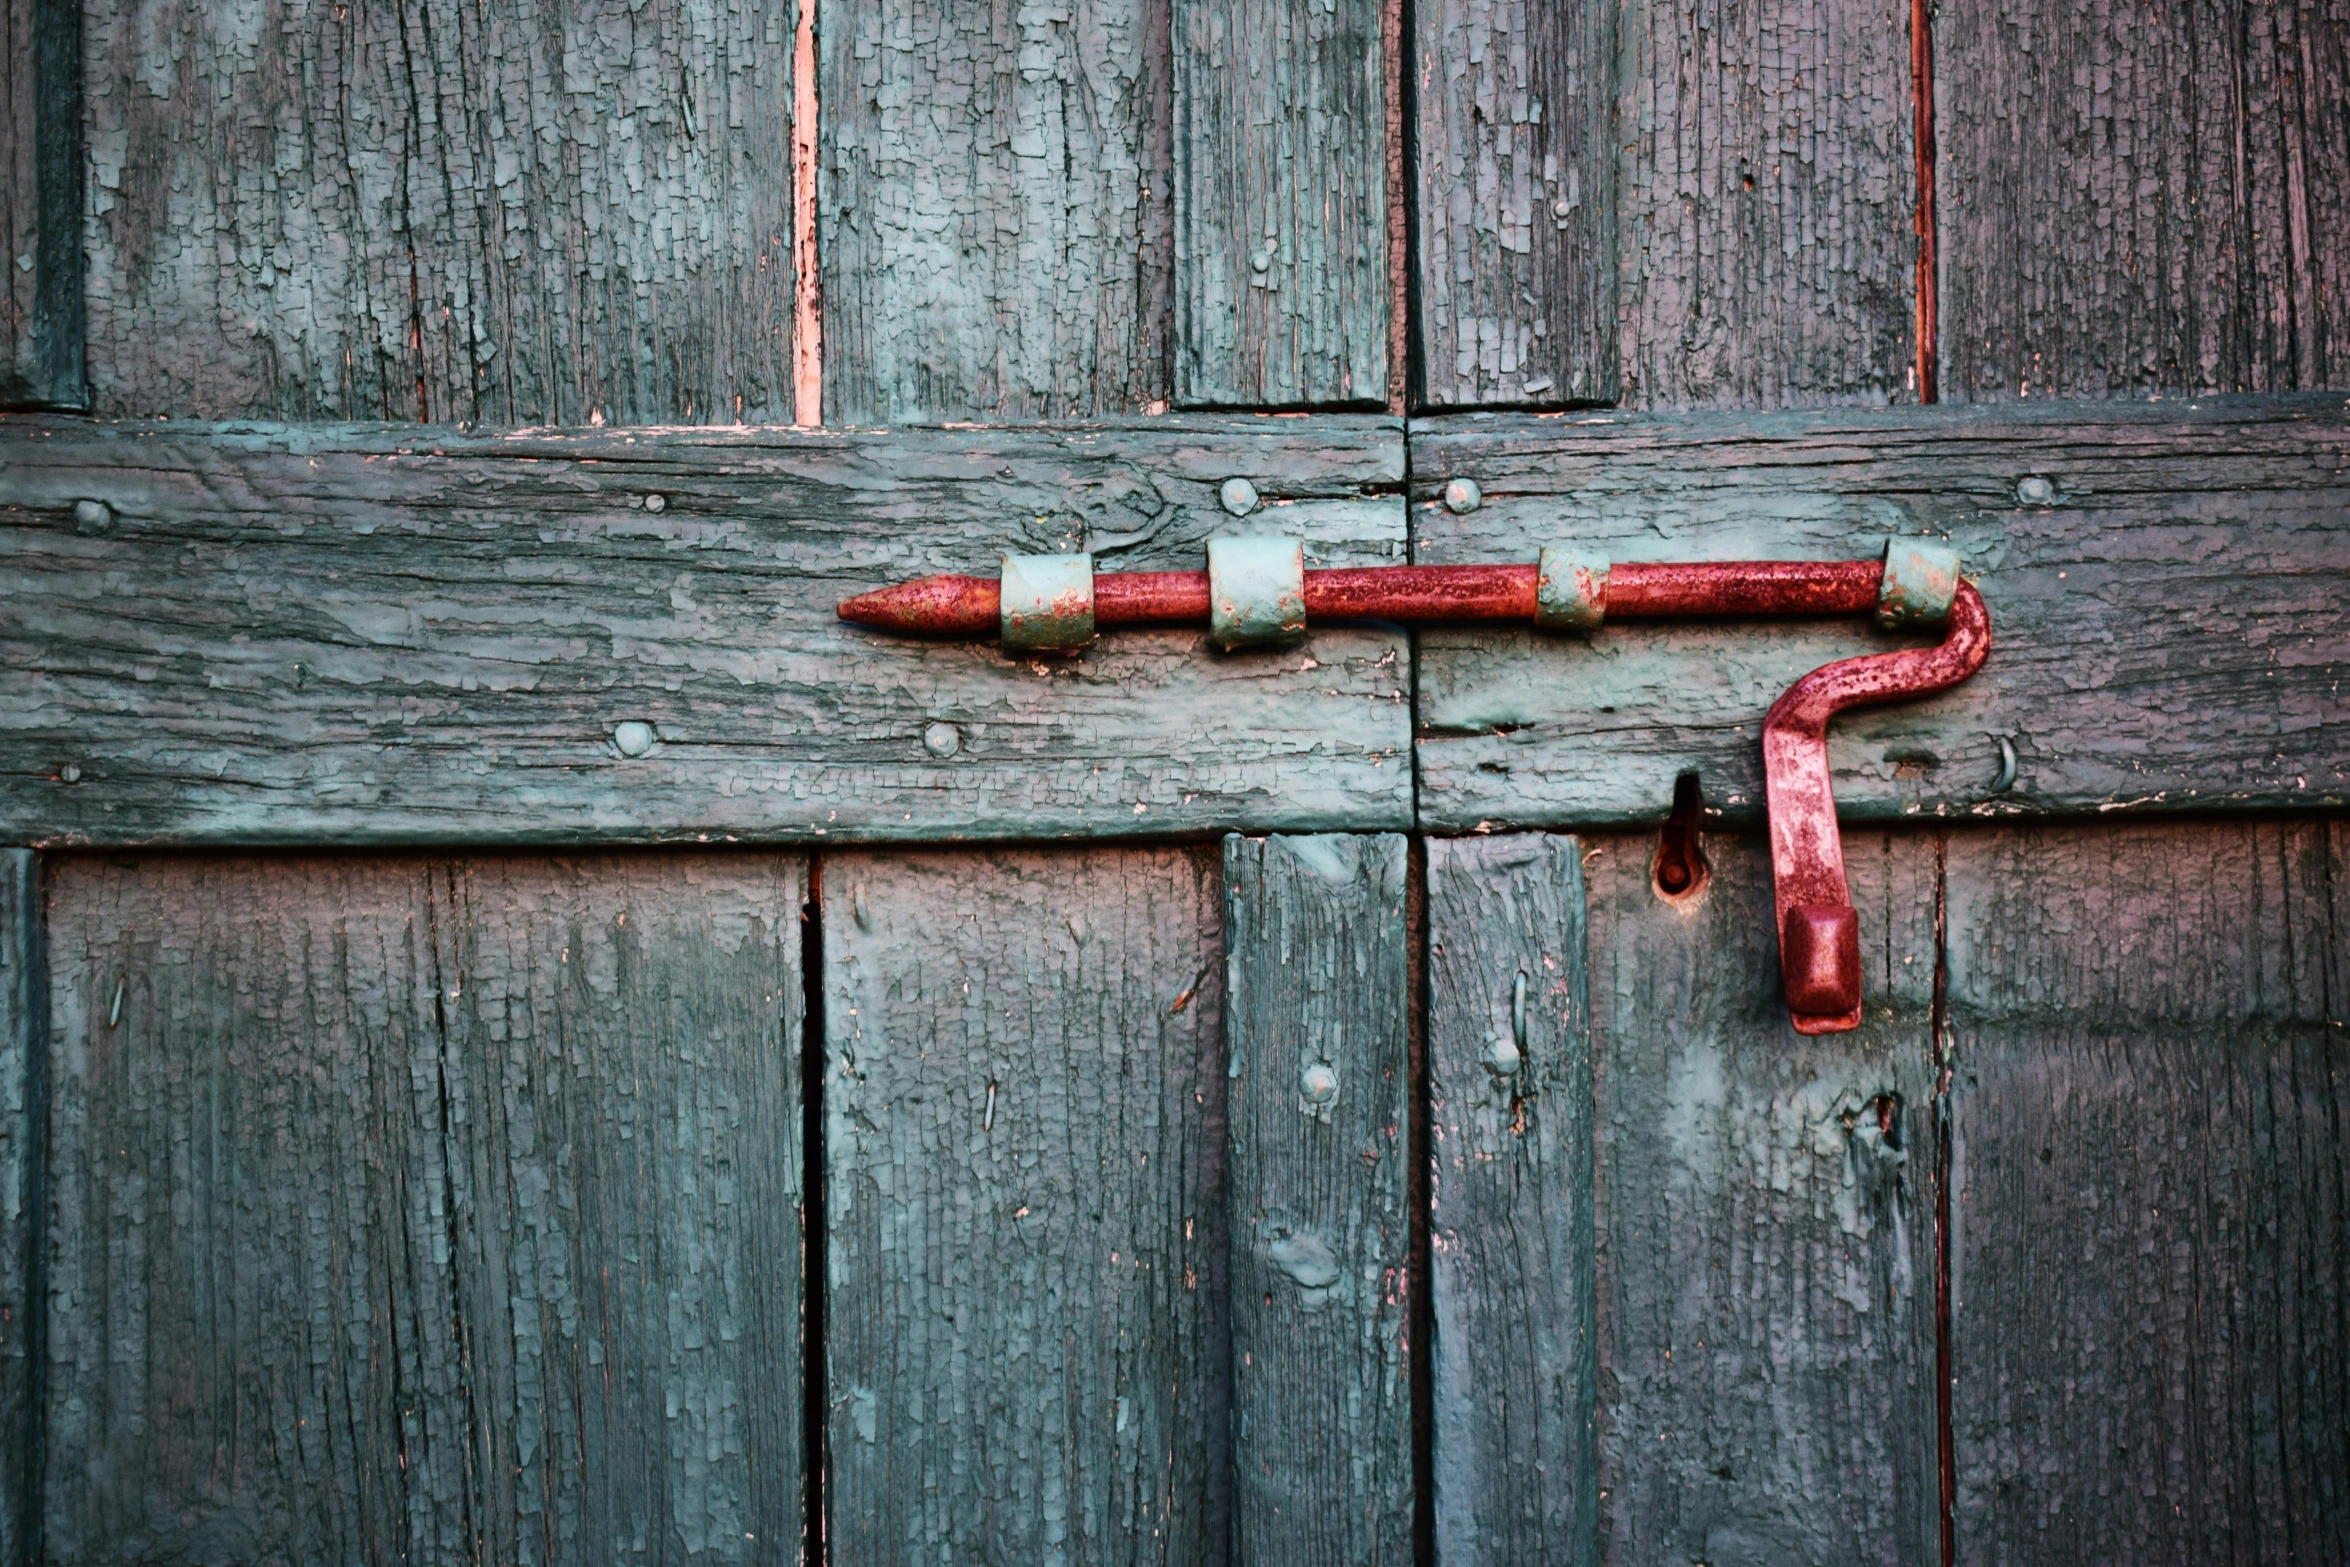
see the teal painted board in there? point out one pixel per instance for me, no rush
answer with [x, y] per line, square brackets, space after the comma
[2143, 200]
[1280, 163]
[1317, 1023]
[1514, 204]
[445, 1209]
[1023, 1107]
[1767, 234]
[2150, 1264]
[337, 635]
[2167, 607]
[40, 205]
[23, 995]
[1766, 1252]
[521, 215]
[1513, 1282]
[994, 221]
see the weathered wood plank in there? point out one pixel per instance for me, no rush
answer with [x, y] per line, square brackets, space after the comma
[1515, 1350]
[1317, 1024]
[1023, 1105]
[1515, 202]
[1766, 1260]
[40, 204]
[2143, 199]
[442, 212]
[997, 234]
[2151, 1255]
[339, 635]
[1280, 159]
[441, 1209]
[2169, 628]
[23, 1064]
[1769, 180]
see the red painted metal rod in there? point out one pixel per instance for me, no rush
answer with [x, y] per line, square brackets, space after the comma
[968, 606]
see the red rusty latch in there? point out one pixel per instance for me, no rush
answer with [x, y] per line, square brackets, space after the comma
[1257, 590]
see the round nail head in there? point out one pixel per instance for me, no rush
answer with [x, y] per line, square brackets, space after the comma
[656, 503]
[1463, 496]
[942, 739]
[1561, 207]
[1239, 497]
[1261, 261]
[92, 517]
[1319, 1083]
[2034, 490]
[633, 737]
[1501, 1057]
[70, 773]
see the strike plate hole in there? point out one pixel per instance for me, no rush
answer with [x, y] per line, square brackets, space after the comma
[1681, 870]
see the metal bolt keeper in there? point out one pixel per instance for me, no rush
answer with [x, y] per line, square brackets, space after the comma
[1570, 593]
[1046, 603]
[1256, 591]
[1921, 582]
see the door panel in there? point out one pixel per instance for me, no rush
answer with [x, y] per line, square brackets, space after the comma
[24, 1002]
[2183, 226]
[1765, 1254]
[1514, 1351]
[440, 212]
[1024, 1143]
[347, 636]
[2168, 628]
[424, 1207]
[2150, 1274]
[1318, 1029]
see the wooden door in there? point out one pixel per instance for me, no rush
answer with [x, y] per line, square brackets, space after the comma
[527, 1039]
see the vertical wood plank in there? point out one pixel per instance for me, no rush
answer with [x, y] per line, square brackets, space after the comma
[1023, 1109]
[1281, 280]
[1317, 1023]
[40, 204]
[1515, 202]
[996, 226]
[1769, 179]
[2151, 1258]
[2139, 199]
[1516, 1370]
[442, 1210]
[1766, 1255]
[22, 1059]
[570, 215]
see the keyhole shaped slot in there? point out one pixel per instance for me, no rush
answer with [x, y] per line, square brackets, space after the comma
[1681, 870]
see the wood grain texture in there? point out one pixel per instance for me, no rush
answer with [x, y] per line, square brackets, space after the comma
[1769, 180]
[1280, 158]
[23, 1063]
[339, 635]
[2143, 199]
[1512, 1268]
[1766, 1255]
[41, 205]
[2151, 1269]
[504, 212]
[1321, 1452]
[1515, 201]
[439, 1209]
[2169, 632]
[997, 234]
[1023, 1111]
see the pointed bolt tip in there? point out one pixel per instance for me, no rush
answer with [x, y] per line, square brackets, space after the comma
[940, 605]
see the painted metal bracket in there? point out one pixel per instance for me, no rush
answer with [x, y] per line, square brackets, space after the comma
[1257, 590]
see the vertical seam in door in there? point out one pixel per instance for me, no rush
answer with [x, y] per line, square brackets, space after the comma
[813, 1239]
[807, 345]
[1945, 1125]
[1921, 85]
